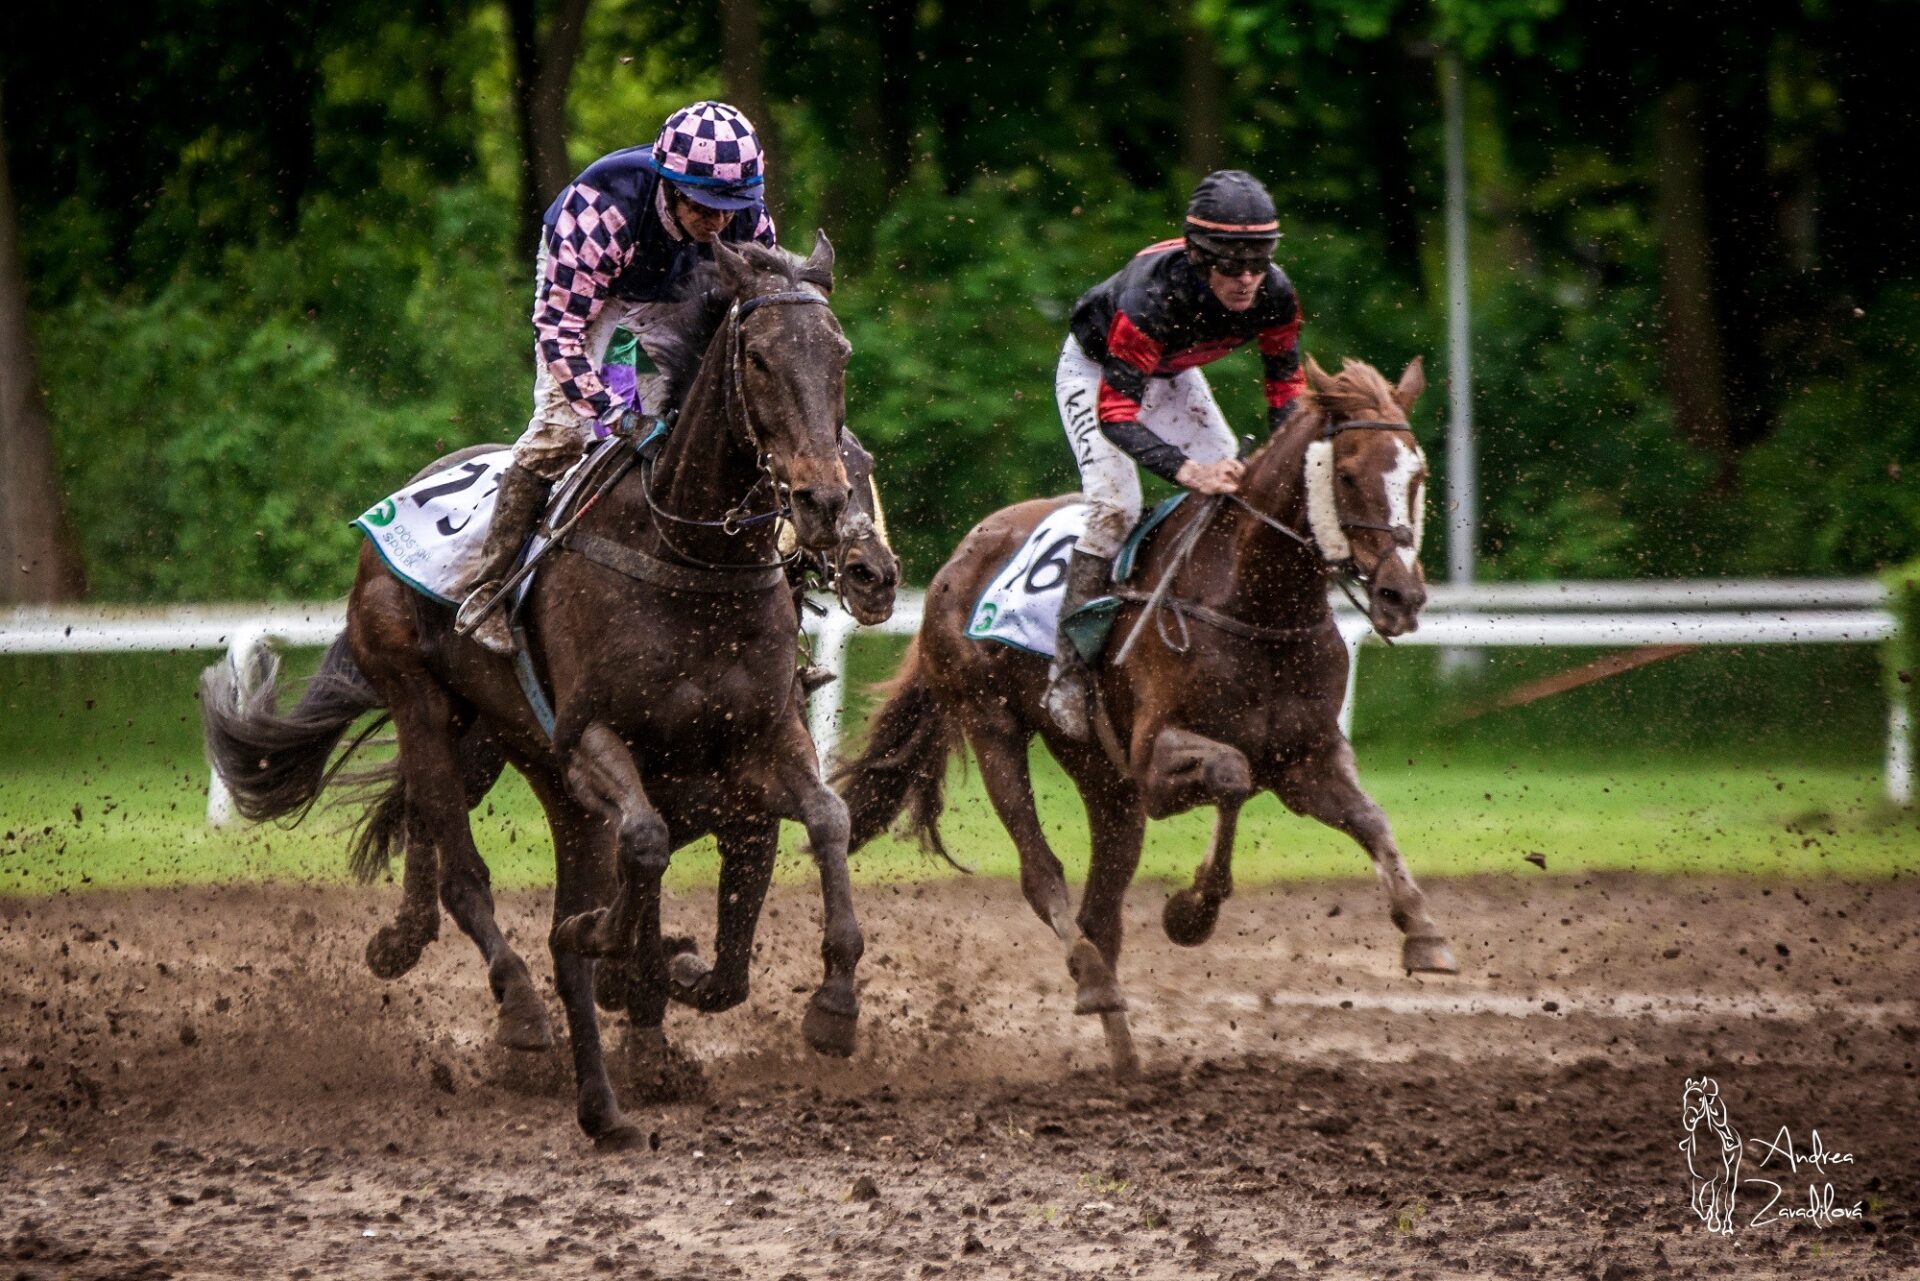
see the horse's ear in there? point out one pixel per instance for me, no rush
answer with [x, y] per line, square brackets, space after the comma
[1413, 381]
[1317, 378]
[818, 268]
[735, 272]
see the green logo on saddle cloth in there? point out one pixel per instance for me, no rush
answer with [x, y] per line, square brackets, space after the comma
[382, 513]
[983, 621]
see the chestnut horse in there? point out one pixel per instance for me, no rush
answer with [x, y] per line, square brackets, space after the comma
[666, 632]
[1248, 701]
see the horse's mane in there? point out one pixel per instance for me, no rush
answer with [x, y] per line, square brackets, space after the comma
[687, 329]
[1357, 391]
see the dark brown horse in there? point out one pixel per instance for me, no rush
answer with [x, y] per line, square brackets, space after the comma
[862, 570]
[666, 633]
[1249, 702]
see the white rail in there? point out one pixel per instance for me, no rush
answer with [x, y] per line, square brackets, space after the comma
[1612, 615]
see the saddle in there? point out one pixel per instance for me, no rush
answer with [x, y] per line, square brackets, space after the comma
[1090, 626]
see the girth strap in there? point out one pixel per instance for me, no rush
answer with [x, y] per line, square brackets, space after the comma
[680, 578]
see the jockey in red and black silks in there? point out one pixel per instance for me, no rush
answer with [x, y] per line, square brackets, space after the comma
[1131, 393]
[615, 247]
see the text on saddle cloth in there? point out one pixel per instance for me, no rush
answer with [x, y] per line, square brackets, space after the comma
[431, 533]
[1021, 606]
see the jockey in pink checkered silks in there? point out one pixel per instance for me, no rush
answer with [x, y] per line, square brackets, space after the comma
[1130, 389]
[615, 247]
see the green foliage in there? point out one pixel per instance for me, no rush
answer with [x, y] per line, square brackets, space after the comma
[217, 437]
[1837, 489]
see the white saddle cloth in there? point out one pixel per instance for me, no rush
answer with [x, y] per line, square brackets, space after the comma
[1021, 606]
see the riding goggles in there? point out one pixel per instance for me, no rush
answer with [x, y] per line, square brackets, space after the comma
[1231, 258]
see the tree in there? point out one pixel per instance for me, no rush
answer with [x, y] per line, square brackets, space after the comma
[39, 558]
[542, 73]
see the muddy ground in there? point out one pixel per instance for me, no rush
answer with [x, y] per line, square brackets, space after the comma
[209, 1083]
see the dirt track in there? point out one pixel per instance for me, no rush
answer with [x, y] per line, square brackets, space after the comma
[210, 1083]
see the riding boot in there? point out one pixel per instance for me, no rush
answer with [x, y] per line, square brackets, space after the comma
[523, 496]
[1069, 694]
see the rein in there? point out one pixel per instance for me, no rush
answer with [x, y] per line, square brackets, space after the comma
[737, 520]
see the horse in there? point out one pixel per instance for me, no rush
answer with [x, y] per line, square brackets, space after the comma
[1250, 702]
[666, 634]
[861, 569]
[1713, 1161]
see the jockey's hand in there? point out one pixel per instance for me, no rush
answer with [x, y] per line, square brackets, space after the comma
[1222, 477]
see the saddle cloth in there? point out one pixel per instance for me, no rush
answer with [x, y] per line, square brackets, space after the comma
[431, 533]
[1021, 606]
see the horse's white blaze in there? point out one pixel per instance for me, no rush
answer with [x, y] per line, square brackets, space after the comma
[879, 512]
[1323, 510]
[1400, 488]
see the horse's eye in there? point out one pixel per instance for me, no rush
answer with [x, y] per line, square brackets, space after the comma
[758, 361]
[1346, 478]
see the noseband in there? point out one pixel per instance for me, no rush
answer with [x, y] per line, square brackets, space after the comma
[1402, 534]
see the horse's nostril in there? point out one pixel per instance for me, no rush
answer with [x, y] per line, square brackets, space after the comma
[860, 573]
[1391, 595]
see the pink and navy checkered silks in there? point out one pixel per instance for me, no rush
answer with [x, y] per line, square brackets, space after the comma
[711, 144]
[588, 246]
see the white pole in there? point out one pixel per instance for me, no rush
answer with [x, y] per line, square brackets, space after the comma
[1463, 498]
[823, 717]
[1899, 748]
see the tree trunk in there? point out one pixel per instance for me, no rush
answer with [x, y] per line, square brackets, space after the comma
[743, 79]
[1206, 148]
[39, 557]
[542, 73]
[1696, 373]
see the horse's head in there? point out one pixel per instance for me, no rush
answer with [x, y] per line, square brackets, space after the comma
[1366, 486]
[868, 573]
[788, 376]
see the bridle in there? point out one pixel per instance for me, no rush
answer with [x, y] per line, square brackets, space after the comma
[738, 519]
[1348, 569]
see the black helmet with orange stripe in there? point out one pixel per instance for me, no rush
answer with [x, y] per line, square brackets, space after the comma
[1231, 222]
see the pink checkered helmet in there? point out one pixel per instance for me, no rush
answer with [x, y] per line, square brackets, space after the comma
[711, 155]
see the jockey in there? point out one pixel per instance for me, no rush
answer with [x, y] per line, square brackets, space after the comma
[1131, 393]
[617, 245]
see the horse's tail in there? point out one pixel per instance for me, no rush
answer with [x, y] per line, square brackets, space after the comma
[274, 765]
[904, 763]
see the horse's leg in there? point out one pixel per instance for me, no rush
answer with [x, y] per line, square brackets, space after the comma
[1001, 748]
[395, 947]
[747, 852]
[1118, 828]
[1179, 770]
[1327, 787]
[466, 889]
[602, 776]
[580, 882]
[797, 791]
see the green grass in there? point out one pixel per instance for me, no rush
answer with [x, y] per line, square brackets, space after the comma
[1763, 763]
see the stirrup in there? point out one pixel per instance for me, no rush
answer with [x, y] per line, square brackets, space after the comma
[490, 631]
[1067, 701]
[813, 677]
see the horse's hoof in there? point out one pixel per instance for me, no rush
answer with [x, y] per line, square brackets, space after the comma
[829, 1031]
[1098, 992]
[393, 950]
[1189, 918]
[585, 934]
[622, 1136]
[1428, 954]
[523, 1023]
[684, 972]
